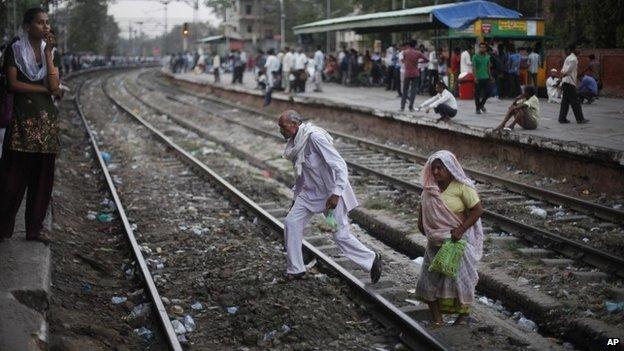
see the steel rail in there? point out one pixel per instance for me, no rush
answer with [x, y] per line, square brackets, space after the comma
[556, 198]
[161, 312]
[571, 248]
[412, 333]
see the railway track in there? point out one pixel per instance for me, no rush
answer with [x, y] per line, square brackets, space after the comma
[402, 168]
[411, 333]
[150, 287]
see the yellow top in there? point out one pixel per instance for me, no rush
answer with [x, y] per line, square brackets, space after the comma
[458, 197]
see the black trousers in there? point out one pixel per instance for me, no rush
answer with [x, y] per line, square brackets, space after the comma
[22, 172]
[445, 110]
[390, 78]
[570, 97]
[409, 84]
[481, 93]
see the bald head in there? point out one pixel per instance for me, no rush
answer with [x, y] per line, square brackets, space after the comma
[289, 122]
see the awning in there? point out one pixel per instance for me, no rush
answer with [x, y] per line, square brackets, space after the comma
[462, 14]
[453, 15]
[211, 39]
[218, 38]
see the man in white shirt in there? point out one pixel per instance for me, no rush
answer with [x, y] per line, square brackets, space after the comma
[569, 80]
[552, 87]
[287, 65]
[301, 61]
[432, 71]
[533, 61]
[319, 64]
[465, 61]
[321, 186]
[271, 68]
[443, 103]
[216, 65]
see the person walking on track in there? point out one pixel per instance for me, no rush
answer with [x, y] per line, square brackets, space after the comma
[321, 186]
[450, 209]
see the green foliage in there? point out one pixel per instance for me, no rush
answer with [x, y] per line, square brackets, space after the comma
[91, 29]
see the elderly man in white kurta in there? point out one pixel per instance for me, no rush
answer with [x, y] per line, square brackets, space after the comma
[322, 184]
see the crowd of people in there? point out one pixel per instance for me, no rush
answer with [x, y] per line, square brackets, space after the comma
[498, 70]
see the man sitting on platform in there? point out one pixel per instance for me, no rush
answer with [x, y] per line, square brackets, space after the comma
[524, 110]
[552, 87]
[321, 186]
[443, 103]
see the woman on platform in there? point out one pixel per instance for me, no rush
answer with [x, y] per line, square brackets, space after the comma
[450, 209]
[31, 140]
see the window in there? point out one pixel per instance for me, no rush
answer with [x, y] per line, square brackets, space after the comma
[249, 29]
[248, 9]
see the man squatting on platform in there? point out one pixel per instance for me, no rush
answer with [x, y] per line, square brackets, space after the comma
[443, 103]
[322, 184]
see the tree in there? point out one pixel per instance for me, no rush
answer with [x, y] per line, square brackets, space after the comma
[91, 29]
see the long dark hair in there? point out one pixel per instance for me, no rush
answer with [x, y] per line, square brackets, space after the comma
[31, 13]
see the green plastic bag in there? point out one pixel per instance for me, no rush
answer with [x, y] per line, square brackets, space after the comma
[330, 221]
[447, 260]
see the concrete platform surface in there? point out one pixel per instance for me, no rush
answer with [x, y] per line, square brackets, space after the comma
[605, 132]
[25, 276]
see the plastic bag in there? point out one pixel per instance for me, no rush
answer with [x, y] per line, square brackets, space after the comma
[330, 221]
[448, 258]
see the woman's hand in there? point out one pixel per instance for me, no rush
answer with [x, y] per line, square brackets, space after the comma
[50, 40]
[457, 233]
[57, 93]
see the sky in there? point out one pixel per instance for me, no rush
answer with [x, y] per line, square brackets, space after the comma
[152, 14]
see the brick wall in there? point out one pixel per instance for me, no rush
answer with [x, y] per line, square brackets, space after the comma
[612, 69]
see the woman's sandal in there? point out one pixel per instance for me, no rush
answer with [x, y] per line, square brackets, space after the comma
[42, 238]
[463, 320]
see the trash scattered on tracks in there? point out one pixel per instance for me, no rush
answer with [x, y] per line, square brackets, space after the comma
[145, 333]
[178, 327]
[177, 309]
[537, 212]
[116, 300]
[87, 288]
[189, 323]
[527, 324]
[140, 310]
[614, 307]
[105, 156]
[155, 263]
[522, 281]
[197, 306]
[418, 260]
[524, 322]
[232, 310]
[91, 215]
[105, 217]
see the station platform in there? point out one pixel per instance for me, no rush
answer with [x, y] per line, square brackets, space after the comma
[602, 137]
[24, 289]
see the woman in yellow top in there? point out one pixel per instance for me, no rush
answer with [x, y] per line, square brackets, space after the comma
[450, 209]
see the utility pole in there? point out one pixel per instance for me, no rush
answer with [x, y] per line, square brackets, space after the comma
[166, 3]
[283, 25]
[195, 15]
[140, 37]
[327, 42]
[130, 38]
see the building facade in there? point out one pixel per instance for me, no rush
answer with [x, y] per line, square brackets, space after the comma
[252, 25]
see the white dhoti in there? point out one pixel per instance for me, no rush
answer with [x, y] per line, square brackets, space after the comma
[299, 216]
[321, 173]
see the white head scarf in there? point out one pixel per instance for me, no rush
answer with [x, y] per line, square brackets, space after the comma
[25, 58]
[295, 146]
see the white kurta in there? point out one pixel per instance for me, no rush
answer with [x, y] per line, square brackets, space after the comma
[324, 172]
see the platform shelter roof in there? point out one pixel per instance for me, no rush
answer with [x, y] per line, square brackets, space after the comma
[452, 15]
